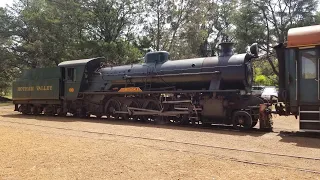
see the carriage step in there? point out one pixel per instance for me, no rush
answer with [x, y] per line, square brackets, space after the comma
[309, 112]
[309, 119]
[308, 130]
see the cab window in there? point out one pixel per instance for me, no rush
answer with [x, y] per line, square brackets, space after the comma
[71, 74]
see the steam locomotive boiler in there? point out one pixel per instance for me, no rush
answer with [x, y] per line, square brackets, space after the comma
[224, 72]
[208, 90]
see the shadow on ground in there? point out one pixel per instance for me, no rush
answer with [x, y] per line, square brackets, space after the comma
[301, 139]
[218, 129]
[310, 140]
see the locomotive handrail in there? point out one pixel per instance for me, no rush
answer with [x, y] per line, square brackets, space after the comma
[180, 74]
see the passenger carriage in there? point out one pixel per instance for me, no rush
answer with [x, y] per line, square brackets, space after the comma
[299, 86]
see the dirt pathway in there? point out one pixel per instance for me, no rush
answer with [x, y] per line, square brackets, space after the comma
[69, 148]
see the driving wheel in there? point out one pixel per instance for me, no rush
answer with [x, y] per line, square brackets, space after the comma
[128, 117]
[151, 105]
[111, 107]
[242, 120]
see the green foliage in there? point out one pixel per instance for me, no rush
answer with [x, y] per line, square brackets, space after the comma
[263, 73]
[317, 18]
[7, 58]
[267, 23]
[250, 27]
[260, 79]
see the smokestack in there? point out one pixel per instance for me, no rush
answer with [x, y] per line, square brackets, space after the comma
[226, 49]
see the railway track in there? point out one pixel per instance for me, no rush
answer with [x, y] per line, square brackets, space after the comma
[220, 127]
[196, 145]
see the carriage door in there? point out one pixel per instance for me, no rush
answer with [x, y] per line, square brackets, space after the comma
[309, 76]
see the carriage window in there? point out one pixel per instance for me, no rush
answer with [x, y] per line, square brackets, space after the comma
[308, 64]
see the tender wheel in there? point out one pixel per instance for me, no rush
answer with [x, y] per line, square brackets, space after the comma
[111, 106]
[48, 111]
[34, 110]
[24, 109]
[60, 112]
[242, 120]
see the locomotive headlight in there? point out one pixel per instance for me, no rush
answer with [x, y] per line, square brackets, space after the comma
[254, 49]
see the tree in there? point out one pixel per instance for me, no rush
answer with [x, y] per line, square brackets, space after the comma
[281, 15]
[317, 18]
[249, 26]
[109, 30]
[49, 32]
[8, 68]
[209, 20]
[41, 33]
[156, 13]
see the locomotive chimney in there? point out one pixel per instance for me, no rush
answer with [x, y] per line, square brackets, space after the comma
[226, 49]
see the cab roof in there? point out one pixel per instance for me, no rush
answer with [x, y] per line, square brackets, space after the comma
[79, 62]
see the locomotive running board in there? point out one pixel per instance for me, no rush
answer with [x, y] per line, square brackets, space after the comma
[166, 113]
[180, 74]
[159, 92]
[139, 111]
[159, 113]
[176, 102]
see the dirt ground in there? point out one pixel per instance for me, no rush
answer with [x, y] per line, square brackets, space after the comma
[69, 148]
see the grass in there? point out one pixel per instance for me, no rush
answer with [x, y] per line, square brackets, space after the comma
[9, 94]
[6, 103]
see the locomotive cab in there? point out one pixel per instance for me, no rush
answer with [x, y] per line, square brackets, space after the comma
[75, 75]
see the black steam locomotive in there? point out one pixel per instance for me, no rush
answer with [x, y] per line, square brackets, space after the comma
[207, 90]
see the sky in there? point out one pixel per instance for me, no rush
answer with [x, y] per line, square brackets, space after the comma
[4, 2]
[9, 2]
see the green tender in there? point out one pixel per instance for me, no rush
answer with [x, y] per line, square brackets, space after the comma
[40, 83]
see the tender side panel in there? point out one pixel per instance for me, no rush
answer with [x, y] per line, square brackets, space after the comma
[41, 83]
[18, 93]
[40, 89]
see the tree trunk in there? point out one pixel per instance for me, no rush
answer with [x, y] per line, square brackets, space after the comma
[274, 69]
[158, 26]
